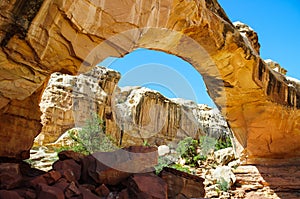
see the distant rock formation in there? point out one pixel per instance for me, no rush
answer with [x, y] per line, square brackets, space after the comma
[146, 115]
[132, 115]
[69, 99]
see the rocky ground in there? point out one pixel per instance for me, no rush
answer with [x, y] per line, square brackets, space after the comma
[73, 175]
[217, 171]
[226, 178]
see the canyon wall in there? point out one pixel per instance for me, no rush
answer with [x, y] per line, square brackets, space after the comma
[41, 37]
[69, 101]
[132, 115]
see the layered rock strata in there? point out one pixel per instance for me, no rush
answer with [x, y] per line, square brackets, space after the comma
[69, 101]
[248, 33]
[41, 37]
[146, 115]
[275, 66]
[132, 115]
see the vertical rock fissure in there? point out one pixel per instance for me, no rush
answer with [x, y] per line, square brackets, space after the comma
[282, 92]
[271, 84]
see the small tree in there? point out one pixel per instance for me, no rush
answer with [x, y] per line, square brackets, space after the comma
[91, 138]
[187, 148]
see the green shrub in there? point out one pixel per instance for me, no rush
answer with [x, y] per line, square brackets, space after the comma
[187, 148]
[179, 167]
[165, 162]
[207, 144]
[223, 143]
[223, 184]
[146, 143]
[90, 138]
[162, 162]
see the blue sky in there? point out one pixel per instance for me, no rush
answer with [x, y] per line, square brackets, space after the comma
[172, 76]
[277, 23]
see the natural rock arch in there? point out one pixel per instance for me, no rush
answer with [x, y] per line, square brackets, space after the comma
[261, 108]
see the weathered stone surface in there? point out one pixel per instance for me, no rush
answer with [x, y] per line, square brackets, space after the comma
[260, 106]
[124, 194]
[65, 155]
[135, 115]
[110, 176]
[42, 157]
[72, 191]
[267, 181]
[69, 100]
[146, 186]
[10, 175]
[18, 116]
[62, 184]
[102, 191]
[37, 181]
[247, 32]
[146, 115]
[4, 194]
[114, 167]
[275, 66]
[69, 169]
[45, 191]
[26, 193]
[86, 193]
[180, 183]
[224, 176]
[224, 156]
[48, 178]
[163, 150]
[88, 174]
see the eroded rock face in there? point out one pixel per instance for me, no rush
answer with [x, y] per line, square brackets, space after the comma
[69, 101]
[247, 32]
[133, 115]
[270, 181]
[18, 117]
[182, 185]
[275, 66]
[146, 115]
[260, 106]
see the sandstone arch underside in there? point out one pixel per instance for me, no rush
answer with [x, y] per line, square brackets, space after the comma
[41, 37]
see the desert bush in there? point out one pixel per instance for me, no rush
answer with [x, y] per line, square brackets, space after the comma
[187, 148]
[193, 150]
[91, 138]
[223, 185]
[165, 162]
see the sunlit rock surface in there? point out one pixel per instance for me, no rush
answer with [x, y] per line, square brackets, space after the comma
[248, 33]
[133, 115]
[275, 66]
[41, 37]
[69, 101]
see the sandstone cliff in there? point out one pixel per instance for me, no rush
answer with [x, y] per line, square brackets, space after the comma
[41, 37]
[250, 35]
[133, 115]
[275, 66]
[69, 100]
[146, 115]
